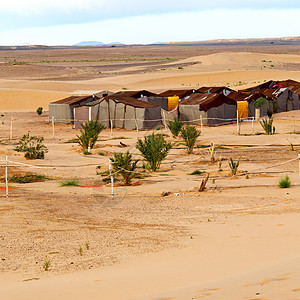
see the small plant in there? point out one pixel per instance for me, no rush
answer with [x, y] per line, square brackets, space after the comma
[197, 172]
[190, 135]
[284, 182]
[39, 111]
[80, 250]
[101, 153]
[122, 164]
[154, 148]
[85, 152]
[47, 264]
[267, 125]
[180, 68]
[89, 134]
[220, 165]
[175, 127]
[32, 146]
[233, 166]
[70, 182]
[258, 103]
[247, 176]
[211, 151]
[87, 245]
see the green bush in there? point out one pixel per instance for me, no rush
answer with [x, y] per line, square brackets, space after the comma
[70, 182]
[154, 148]
[284, 182]
[89, 134]
[85, 152]
[39, 111]
[27, 178]
[32, 146]
[190, 135]
[233, 166]
[122, 164]
[175, 127]
[267, 125]
[258, 103]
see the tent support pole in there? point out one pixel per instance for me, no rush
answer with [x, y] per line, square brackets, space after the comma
[53, 129]
[237, 123]
[6, 180]
[201, 124]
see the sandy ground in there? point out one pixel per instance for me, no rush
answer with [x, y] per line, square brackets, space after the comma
[237, 240]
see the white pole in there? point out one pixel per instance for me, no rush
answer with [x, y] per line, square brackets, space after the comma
[53, 129]
[90, 113]
[111, 129]
[137, 127]
[201, 124]
[252, 125]
[237, 123]
[6, 180]
[165, 123]
[111, 180]
[11, 128]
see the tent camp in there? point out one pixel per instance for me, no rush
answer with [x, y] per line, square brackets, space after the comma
[215, 109]
[62, 110]
[120, 111]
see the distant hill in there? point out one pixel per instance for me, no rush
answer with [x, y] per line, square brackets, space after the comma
[89, 43]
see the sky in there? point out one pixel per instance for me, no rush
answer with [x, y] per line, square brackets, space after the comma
[67, 22]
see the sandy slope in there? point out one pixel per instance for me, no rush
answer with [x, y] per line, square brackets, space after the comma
[248, 257]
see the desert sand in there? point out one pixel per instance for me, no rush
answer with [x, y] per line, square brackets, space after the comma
[239, 239]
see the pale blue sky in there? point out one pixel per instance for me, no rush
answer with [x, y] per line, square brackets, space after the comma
[66, 22]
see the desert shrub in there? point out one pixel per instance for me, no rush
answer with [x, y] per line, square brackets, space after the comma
[39, 110]
[267, 125]
[32, 146]
[233, 166]
[258, 103]
[284, 182]
[85, 152]
[70, 182]
[47, 264]
[190, 135]
[175, 127]
[89, 134]
[27, 178]
[197, 172]
[123, 165]
[154, 148]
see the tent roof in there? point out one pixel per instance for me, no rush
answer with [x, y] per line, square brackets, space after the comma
[272, 93]
[179, 93]
[136, 94]
[212, 89]
[129, 101]
[207, 101]
[240, 96]
[73, 99]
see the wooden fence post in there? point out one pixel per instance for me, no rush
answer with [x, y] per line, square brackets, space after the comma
[6, 179]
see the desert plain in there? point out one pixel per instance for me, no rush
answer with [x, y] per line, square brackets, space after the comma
[238, 239]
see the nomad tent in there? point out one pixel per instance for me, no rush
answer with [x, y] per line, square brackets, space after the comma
[215, 109]
[282, 99]
[172, 98]
[127, 112]
[121, 111]
[62, 110]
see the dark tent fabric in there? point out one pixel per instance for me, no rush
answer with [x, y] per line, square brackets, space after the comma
[161, 101]
[214, 90]
[257, 88]
[180, 93]
[63, 110]
[215, 109]
[129, 113]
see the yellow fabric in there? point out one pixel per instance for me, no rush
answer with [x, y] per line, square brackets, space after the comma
[172, 102]
[242, 108]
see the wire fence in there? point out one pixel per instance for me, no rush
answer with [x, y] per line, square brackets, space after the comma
[243, 125]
